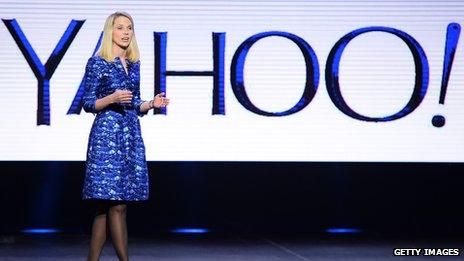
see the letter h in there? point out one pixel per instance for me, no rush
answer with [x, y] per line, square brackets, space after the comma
[217, 72]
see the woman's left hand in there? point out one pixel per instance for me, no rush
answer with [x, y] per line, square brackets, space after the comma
[160, 101]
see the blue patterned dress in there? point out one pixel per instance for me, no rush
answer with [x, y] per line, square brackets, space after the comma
[116, 168]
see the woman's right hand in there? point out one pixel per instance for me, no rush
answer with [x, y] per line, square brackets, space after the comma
[121, 96]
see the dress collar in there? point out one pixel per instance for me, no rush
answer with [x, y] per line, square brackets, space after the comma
[127, 60]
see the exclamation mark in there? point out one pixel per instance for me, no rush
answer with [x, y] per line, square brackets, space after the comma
[452, 37]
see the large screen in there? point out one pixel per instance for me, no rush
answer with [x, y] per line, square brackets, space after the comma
[362, 81]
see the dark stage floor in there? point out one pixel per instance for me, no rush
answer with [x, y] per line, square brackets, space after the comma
[223, 247]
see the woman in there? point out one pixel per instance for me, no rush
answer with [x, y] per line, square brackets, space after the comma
[116, 169]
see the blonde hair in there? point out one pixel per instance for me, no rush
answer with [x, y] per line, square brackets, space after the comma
[106, 48]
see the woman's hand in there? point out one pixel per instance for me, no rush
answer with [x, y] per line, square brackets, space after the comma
[159, 101]
[121, 96]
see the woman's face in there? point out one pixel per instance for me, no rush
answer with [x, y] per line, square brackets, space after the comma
[122, 32]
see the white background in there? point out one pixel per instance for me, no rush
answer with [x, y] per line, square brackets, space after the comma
[376, 75]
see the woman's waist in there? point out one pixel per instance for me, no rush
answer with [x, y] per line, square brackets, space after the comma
[118, 108]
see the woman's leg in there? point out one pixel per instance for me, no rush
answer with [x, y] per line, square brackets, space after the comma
[118, 228]
[98, 233]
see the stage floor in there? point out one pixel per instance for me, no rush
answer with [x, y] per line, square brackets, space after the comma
[208, 247]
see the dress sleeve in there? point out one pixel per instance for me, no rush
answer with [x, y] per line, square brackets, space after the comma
[92, 81]
[137, 100]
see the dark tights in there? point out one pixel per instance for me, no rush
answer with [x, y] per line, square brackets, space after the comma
[109, 217]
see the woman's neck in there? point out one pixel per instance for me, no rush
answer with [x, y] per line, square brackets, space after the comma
[119, 52]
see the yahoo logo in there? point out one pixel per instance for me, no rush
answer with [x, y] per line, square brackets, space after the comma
[44, 73]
